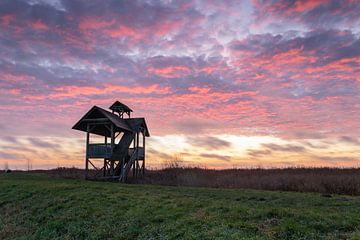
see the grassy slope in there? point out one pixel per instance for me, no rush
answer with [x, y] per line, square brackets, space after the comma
[37, 207]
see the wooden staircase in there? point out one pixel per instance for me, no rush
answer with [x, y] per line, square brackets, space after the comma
[121, 149]
[126, 166]
[126, 156]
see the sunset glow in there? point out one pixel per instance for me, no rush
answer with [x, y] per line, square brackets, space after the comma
[221, 84]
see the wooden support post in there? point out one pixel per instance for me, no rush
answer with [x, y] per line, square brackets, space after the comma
[112, 137]
[134, 144]
[87, 151]
[104, 170]
[133, 167]
[143, 162]
[137, 154]
[112, 149]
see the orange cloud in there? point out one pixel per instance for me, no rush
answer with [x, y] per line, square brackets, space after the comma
[170, 71]
[199, 90]
[293, 57]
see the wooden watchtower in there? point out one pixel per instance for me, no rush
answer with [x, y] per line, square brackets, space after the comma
[123, 147]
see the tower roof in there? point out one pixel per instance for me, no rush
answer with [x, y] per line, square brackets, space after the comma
[101, 117]
[120, 107]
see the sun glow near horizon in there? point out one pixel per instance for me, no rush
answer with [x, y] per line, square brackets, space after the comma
[208, 151]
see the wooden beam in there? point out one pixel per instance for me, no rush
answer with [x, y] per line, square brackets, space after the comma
[92, 126]
[99, 172]
[93, 165]
[117, 134]
[134, 145]
[94, 120]
[137, 154]
[134, 142]
[133, 166]
[104, 172]
[112, 149]
[108, 127]
[112, 136]
[143, 162]
[87, 151]
[111, 167]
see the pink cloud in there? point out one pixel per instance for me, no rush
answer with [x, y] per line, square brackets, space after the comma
[301, 6]
[16, 77]
[199, 90]
[6, 19]
[170, 71]
[309, 12]
[95, 24]
[39, 25]
[74, 91]
[124, 31]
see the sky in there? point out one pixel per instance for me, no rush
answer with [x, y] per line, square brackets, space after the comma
[222, 84]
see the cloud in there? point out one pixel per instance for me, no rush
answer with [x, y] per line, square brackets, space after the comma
[10, 139]
[194, 125]
[259, 153]
[208, 142]
[9, 156]
[350, 140]
[318, 47]
[42, 144]
[312, 13]
[288, 69]
[337, 159]
[284, 148]
[159, 154]
[216, 156]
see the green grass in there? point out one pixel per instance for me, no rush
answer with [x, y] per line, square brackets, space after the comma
[34, 206]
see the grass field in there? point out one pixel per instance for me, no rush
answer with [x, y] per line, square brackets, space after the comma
[34, 206]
